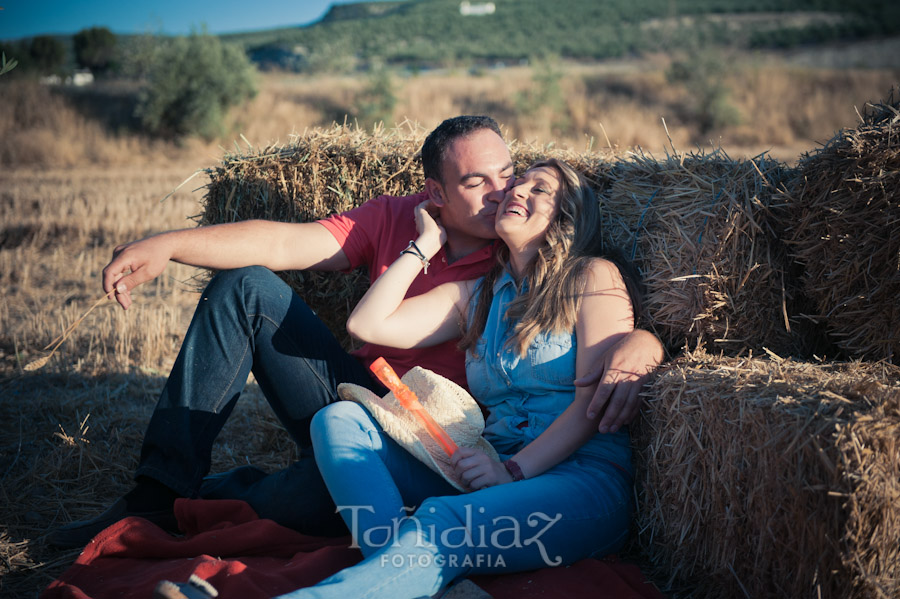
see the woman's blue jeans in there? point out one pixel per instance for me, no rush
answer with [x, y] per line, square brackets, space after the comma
[249, 320]
[575, 510]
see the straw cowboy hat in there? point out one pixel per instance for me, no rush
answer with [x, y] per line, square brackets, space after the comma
[448, 403]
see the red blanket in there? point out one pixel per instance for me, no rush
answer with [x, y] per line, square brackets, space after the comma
[244, 556]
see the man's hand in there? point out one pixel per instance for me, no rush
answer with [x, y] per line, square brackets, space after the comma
[477, 470]
[133, 264]
[621, 374]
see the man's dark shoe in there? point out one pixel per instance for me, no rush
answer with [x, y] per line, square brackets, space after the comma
[80, 533]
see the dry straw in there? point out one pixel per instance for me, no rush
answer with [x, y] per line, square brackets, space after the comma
[56, 343]
[758, 478]
[699, 226]
[323, 172]
[772, 478]
[845, 208]
[326, 171]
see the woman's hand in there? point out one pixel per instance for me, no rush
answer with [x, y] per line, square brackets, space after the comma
[477, 470]
[431, 234]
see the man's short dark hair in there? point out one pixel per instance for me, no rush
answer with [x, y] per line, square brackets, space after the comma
[437, 142]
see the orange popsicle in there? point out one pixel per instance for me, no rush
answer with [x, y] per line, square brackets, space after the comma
[408, 400]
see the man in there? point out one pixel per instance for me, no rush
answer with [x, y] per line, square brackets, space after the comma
[249, 320]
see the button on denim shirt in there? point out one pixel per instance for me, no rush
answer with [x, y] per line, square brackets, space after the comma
[526, 394]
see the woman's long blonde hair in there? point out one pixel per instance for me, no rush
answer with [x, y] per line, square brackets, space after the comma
[553, 282]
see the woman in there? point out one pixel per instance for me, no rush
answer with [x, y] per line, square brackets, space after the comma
[538, 320]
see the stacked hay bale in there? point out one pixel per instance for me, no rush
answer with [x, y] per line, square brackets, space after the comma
[595, 166]
[844, 206]
[326, 171]
[772, 478]
[323, 172]
[757, 478]
[699, 227]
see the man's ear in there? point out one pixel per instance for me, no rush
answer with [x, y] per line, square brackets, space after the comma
[435, 192]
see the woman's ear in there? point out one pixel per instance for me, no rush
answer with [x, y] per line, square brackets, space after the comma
[435, 192]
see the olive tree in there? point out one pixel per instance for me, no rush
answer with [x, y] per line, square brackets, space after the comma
[191, 82]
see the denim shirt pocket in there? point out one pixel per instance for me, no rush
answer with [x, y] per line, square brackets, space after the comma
[552, 359]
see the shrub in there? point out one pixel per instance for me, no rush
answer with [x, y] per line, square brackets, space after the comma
[47, 54]
[375, 104]
[95, 49]
[545, 98]
[191, 83]
[701, 73]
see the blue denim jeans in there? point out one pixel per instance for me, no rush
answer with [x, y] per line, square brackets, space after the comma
[577, 509]
[249, 320]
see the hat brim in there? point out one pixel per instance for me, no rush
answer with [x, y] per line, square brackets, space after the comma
[448, 403]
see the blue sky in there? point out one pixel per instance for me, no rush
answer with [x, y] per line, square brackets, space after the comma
[26, 18]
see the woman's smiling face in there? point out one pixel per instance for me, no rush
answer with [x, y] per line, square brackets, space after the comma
[528, 208]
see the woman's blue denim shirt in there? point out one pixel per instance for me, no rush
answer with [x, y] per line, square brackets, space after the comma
[526, 394]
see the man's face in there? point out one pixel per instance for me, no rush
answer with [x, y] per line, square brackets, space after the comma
[477, 171]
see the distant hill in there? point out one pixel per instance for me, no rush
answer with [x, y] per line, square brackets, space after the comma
[431, 33]
[359, 10]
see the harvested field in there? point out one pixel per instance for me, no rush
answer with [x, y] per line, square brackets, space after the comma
[71, 430]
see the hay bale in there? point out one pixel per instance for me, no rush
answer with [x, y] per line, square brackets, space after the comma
[845, 208]
[320, 173]
[771, 478]
[594, 165]
[699, 227]
[327, 171]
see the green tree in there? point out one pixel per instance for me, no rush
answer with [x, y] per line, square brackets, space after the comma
[191, 82]
[48, 54]
[375, 104]
[137, 54]
[701, 73]
[95, 49]
[545, 98]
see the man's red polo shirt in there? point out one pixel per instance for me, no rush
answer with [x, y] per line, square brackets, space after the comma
[373, 235]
